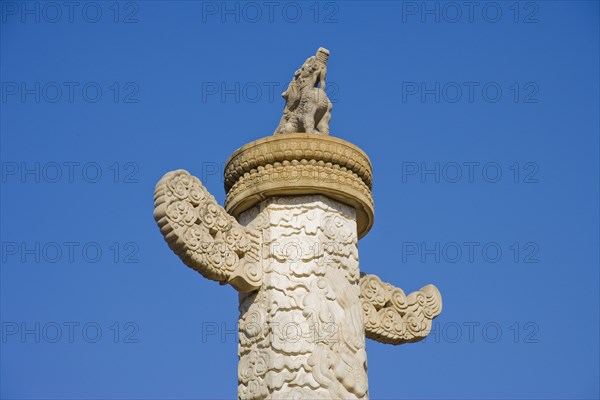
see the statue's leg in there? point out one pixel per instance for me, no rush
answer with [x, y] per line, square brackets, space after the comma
[323, 125]
[290, 125]
[282, 123]
[308, 121]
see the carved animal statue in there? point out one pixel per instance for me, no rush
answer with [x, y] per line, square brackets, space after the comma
[307, 107]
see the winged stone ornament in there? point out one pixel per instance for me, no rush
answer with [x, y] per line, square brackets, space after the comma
[204, 235]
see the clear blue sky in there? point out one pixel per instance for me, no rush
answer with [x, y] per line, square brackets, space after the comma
[443, 97]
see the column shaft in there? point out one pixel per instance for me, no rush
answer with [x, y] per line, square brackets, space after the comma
[302, 334]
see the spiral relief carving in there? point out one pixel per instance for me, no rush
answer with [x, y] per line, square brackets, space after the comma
[203, 235]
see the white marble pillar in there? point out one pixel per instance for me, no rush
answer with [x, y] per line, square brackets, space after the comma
[302, 333]
[296, 205]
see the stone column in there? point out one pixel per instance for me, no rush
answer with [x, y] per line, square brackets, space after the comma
[301, 202]
[297, 204]
[302, 332]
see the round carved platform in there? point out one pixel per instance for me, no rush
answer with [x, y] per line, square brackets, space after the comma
[300, 164]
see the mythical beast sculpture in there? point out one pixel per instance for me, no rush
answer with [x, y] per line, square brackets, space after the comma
[307, 107]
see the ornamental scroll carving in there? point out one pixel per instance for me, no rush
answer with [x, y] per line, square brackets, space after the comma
[204, 235]
[392, 317]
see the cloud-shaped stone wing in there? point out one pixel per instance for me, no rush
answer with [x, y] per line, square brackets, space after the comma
[203, 235]
[394, 318]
